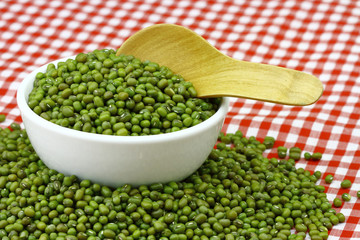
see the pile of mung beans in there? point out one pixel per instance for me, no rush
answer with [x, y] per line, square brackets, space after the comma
[102, 93]
[236, 194]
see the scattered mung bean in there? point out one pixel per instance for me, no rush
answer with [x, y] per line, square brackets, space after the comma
[295, 153]
[346, 197]
[337, 202]
[236, 194]
[307, 155]
[329, 178]
[346, 183]
[316, 156]
[282, 151]
[2, 117]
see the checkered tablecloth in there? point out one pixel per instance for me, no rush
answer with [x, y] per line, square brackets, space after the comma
[321, 37]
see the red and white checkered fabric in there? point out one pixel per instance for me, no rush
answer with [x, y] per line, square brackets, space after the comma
[320, 37]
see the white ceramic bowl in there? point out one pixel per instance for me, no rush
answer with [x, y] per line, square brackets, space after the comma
[118, 160]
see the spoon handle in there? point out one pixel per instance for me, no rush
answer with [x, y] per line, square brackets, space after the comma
[258, 81]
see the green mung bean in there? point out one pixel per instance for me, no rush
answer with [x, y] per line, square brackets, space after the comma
[346, 197]
[329, 178]
[282, 151]
[337, 202]
[316, 156]
[269, 142]
[346, 183]
[295, 153]
[307, 155]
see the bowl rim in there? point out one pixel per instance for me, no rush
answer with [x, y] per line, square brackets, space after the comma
[22, 97]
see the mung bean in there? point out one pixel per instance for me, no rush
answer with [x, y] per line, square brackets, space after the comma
[346, 197]
[329, 178]
[346, 183]
[337, 202]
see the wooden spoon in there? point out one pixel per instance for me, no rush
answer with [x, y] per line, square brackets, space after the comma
[214, 74]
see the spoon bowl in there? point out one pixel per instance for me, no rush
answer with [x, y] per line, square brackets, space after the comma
[214, 74]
